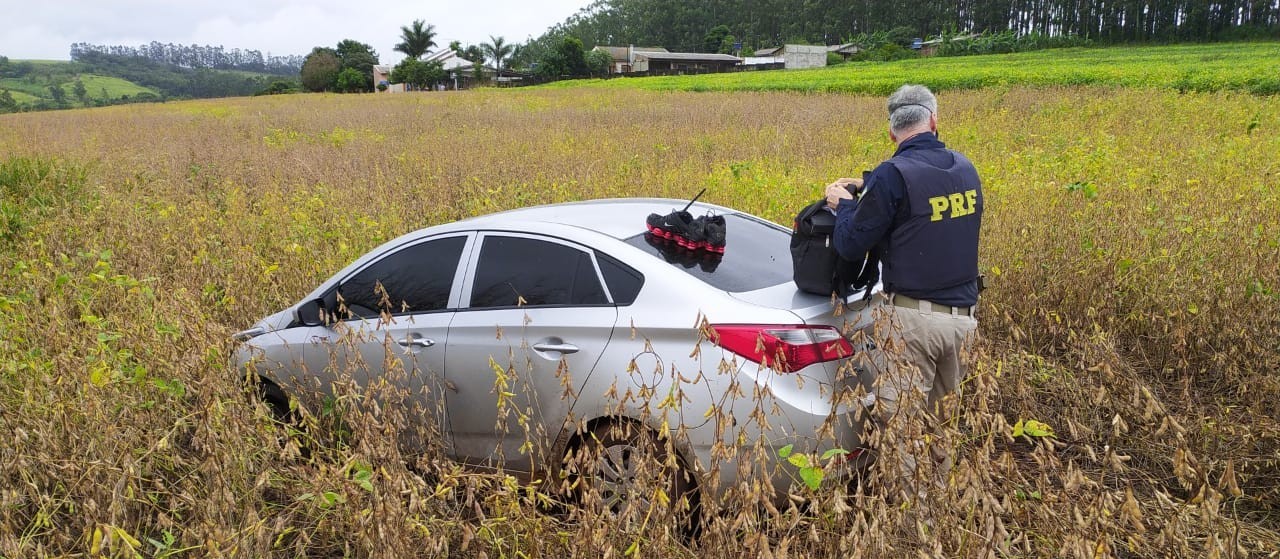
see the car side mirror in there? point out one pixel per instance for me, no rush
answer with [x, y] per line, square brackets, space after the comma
[311, 313]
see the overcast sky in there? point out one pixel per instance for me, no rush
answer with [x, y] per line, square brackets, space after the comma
[45, 29]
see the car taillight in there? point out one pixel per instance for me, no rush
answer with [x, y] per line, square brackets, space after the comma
[784, 348]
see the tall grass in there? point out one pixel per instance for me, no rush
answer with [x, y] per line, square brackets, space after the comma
[1131, 240]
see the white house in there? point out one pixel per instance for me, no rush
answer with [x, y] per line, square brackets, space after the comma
[450, 60]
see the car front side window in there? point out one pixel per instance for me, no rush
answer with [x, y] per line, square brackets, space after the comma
[413, 279]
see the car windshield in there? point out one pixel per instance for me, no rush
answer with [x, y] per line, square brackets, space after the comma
[757, 255]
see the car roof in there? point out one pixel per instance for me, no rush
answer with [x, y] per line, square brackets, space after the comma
[619, 218]
[615, 218]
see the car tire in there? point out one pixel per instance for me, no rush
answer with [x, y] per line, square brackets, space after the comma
[288, 421]
[277, 401]
[622, 465]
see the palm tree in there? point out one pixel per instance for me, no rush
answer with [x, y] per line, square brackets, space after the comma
[416, 39]
[497, 49]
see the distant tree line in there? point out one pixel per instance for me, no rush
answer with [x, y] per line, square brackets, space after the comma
[685, 25]
[196, 56]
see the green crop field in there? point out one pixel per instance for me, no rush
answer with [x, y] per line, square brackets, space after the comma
[30, 89]
[20, 96]
[96, 87]
[114, 88]
[1130, 239]
[1250, 67]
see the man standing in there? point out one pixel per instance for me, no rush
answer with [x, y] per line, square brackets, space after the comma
[922, 209]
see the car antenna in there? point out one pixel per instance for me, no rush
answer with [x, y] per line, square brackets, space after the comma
[695, 199]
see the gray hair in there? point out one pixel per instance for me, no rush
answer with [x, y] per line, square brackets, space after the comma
[911, 106]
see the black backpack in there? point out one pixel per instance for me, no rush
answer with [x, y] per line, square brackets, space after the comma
[816, 266]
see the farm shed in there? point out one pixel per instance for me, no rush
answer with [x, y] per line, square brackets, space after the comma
[624, 58]
[846, 50]
[658, 63]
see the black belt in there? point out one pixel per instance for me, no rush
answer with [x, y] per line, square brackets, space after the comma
[927, 306]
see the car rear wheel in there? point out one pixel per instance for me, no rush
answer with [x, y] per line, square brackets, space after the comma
[629, 474]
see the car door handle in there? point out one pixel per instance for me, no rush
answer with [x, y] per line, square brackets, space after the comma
[562, 348]
[416, 342]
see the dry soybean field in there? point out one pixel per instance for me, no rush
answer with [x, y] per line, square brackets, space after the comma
[1131, 244]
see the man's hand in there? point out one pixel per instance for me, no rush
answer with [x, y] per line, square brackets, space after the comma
[842, 189]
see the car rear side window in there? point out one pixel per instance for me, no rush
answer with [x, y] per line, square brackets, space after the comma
[757, 255]
[624, 283]
[412, 279]
[518, 271]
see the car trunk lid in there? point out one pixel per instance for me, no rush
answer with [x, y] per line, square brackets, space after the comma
[810, 308]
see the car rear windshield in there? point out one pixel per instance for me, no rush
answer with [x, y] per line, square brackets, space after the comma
[757, 255]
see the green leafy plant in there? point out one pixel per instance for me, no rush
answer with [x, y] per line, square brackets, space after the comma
[1031, 428]
[362, 475]
[167, 546]
[811, 470]
[1089, 189]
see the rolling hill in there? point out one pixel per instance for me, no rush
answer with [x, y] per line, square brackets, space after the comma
[32, 84]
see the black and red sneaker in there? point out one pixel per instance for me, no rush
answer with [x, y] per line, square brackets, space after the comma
[676, 226]
[713, 232]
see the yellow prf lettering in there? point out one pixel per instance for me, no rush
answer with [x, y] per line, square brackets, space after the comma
[960, 204]
[939, 204]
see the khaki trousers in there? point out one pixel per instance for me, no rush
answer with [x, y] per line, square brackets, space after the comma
[919, 363]
[921, 351]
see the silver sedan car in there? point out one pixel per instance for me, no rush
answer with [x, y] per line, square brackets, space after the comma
[528, 334]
